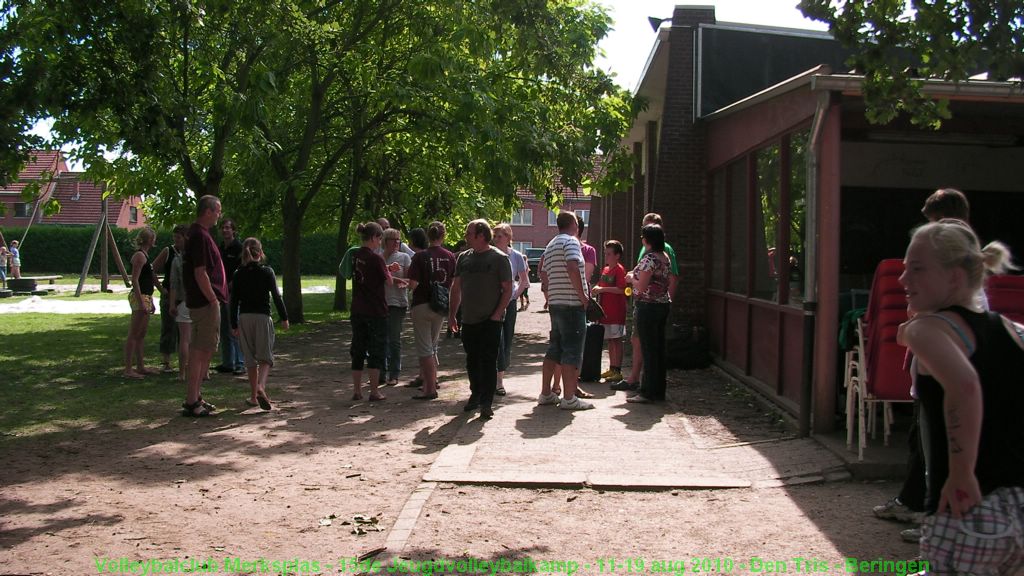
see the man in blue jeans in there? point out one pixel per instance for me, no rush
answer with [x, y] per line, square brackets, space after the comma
[483, 274]
[562, 275]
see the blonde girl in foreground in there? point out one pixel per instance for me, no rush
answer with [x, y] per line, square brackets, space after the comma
[251, 290]
[141, 301]
[967, 368]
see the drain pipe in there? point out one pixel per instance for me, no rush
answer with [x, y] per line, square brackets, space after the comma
[811, 262]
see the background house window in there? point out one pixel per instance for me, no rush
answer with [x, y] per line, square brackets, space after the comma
[523, 217]
[585, 214]
[551, 218]
[133, 215]
[522, 246]
[22, 209]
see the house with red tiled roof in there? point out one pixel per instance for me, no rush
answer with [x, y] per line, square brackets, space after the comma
[80, 199]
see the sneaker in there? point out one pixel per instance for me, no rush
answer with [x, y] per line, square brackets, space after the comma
[912, 535]
[623, 386]
[612, 376]
[574, 404]
[897, 511]
[548, 399]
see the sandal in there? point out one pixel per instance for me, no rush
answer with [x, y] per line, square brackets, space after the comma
[377, 397]
[500, 391]
[425, 396]
[132, 374]
[264, 402]
[209, 407]
[197, 410]
[250, 402]
[580, 392]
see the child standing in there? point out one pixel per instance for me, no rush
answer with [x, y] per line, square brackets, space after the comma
[611, 294]
[15, 260]
[251, 290]
[4, 256]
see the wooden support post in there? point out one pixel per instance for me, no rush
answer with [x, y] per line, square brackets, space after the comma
[117, 257]
[92, 250]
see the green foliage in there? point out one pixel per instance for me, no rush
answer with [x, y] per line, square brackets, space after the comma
[62, 250]
[897, 43]
[304, 116]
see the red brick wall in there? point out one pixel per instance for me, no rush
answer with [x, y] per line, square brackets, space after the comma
[680, 190]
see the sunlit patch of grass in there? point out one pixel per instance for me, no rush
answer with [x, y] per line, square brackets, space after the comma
[61, 373]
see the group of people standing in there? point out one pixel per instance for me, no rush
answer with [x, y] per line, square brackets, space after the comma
[566, 268]
[210, 295]
[477, 290]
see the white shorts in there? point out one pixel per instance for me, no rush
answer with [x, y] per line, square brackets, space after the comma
[183, 316]
[614, 331]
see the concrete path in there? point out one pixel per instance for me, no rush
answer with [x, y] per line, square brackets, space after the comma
[682, 443]
[617, 446]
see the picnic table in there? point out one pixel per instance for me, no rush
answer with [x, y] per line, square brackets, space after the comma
[29, 284]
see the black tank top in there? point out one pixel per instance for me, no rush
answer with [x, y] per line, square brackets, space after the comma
[146, 278]
[999, 362]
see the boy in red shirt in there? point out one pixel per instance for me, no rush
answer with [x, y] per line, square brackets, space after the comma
[611, 294]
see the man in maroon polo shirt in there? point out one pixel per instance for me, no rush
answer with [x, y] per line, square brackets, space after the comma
[206, 289]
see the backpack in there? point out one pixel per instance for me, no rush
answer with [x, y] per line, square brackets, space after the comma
[438, 298]
[345, 268]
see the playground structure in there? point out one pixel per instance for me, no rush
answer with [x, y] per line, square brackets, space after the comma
[102, 227]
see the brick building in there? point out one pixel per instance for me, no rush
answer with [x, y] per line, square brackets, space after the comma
[779, 197]
[80, 199]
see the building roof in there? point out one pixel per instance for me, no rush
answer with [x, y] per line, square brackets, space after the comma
[40, 164]
[80, 201]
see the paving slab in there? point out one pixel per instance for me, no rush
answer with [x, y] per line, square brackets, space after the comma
[616, 446]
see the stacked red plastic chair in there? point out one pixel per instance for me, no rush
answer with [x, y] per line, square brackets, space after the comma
[876, 374]
[1005, 295]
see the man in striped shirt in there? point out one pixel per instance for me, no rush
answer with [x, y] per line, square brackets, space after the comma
[563, 274]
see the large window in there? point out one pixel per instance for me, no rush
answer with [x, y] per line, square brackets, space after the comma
[797, 214]
[718, 231]
[767, 250]
[22, 209]
[552, 218]
[522, 246]
[523, 217]
[738, 226]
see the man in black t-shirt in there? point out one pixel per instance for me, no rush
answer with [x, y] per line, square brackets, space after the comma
[231, 359]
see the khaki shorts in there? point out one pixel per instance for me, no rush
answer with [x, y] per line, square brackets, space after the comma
[205, 327]
[426, 327]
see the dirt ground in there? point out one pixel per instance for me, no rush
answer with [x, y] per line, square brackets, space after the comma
[321, 479]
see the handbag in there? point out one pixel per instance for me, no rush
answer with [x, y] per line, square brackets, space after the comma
[439, 298]
[595, 312]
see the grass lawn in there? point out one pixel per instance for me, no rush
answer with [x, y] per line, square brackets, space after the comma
[61, 372]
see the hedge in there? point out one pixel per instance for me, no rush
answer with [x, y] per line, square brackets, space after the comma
[62, 249]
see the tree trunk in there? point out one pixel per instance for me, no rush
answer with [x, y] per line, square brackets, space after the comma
[346, 210]
[292, 257]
